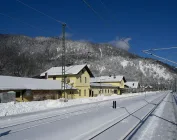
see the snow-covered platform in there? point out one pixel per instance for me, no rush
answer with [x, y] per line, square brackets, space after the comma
[7, 109]
[94, 119]
[162, 123]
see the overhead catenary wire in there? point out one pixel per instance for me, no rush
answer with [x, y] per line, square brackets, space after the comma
[61, 22]
[40, 12]
[94, 11]
[147, 52]
[161, 49]
[107, 9]
[21, 21]
[103, 5]
[125, 42]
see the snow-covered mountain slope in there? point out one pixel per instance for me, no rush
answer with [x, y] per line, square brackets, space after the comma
[26, 56]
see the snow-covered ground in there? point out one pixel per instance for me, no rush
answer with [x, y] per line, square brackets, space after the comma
[80, 122]
[162, 123]
[25, 107]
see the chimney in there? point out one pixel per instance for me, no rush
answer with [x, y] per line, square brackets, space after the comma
[110, 75]
[114, 76]
[46, 75]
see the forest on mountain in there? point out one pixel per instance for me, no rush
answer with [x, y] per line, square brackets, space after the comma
[28, 57]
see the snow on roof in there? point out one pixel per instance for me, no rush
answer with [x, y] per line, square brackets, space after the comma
[149, 86]
[116, 78]
[132, 84]
[101, 85]
[74, 69]
[21, 83]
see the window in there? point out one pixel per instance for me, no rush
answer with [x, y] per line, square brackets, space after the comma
[80, 79]
[105, 90]
[27, 93]
[54, 78]
[108, 90]
[18, 94]
[79, 92]
[84, 92]
[85, 79]
[115, 91]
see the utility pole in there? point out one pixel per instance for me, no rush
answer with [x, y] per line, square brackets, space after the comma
[141, 82]
[175, 85]
[63, 81]
[100, 72]
[158, 86]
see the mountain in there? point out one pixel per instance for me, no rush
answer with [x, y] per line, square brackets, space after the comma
[26, 56]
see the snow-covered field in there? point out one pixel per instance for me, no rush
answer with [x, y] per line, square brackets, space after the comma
[25, 107]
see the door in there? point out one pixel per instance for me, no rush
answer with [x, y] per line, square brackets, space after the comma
[90, 93]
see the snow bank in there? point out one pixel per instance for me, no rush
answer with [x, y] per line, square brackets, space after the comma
[24, 107]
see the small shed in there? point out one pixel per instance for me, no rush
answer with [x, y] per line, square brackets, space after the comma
[7, 96]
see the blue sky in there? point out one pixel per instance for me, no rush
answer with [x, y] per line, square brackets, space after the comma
[148, 23]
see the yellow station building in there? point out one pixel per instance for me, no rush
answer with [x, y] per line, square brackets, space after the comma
[77, 76]
[80, 83]
[116, 80]
[102, 89]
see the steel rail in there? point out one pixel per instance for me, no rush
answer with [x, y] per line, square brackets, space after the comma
[63, 116]
[95, 104]
[129, 114]
[137, 127]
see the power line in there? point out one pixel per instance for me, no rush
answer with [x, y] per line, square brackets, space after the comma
[103, 4]
[61, 22]
[156, 49]
[145, 51]
[32, 26]
[95, 12]
[125, 42]
[40, 12]
[161, 49]
[107, 9]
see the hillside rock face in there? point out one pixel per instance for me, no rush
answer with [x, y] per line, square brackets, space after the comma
[26, 56]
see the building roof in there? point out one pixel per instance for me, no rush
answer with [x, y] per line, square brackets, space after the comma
[132, 84]
[69, 70]
[22, 83]
[116, 78]
[149, 86]
[101, 85]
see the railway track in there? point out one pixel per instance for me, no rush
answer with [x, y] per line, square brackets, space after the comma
[38, 118]
[50, 119]
[113, 128]
[136, 128]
